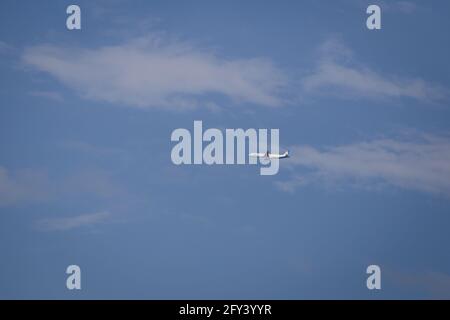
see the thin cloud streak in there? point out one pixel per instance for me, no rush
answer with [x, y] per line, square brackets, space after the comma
[68, 223]
[52, 95]
[338, 73]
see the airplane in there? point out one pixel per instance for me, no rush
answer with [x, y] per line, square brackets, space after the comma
[268, 155]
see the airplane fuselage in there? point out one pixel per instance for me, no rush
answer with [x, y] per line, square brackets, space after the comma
[269, 155]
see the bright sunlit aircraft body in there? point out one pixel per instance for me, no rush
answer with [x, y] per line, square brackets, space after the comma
[268, 155]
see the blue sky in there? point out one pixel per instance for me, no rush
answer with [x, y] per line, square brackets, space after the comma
[86, 176]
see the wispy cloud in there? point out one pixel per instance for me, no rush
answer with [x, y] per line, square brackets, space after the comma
[97, 183]
[68, 223]
[338, 73]
[155, 72]
[31, 186]
[417, 163]
[52, 95]
[23, 186]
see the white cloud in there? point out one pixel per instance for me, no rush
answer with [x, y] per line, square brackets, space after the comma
[149, 72]
[338, 74]
[416, 163]
[67, 223]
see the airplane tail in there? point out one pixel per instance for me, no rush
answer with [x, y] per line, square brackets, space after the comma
[286, 153]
